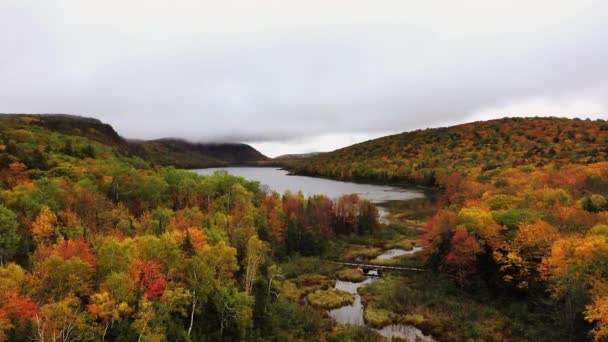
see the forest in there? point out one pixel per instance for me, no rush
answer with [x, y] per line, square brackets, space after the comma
[98, 243]
[524, 210]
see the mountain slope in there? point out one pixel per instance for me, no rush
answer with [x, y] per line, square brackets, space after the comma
[184, 154]
[423, 156]
[47, 130]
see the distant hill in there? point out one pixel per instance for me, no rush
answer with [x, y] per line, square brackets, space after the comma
[90, 128]
[185, 154]
[424, 156]
[297, 156]
[174, 152]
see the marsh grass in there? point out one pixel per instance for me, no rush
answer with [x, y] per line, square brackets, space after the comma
[435, 305]
[360, 251]
[330, 299]
[355, 333]
[351, 274]
[405, 244]
[297, 288]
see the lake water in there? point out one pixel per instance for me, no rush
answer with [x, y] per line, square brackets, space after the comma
[278, 180]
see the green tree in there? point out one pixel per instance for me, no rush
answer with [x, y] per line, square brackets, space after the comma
[9, 236]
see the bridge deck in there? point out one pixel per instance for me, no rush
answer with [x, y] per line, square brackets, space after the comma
[378, 267]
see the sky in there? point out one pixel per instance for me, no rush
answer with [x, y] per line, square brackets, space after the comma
[301, 76]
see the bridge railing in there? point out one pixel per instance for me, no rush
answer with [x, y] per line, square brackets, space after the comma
[379, 267]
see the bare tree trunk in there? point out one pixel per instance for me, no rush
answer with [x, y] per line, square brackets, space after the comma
[192, 314]
[142, 331]
[105, 331]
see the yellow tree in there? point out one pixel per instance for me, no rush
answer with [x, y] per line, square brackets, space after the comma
[106, 310]
[44, 230]
[143, 323]
[61, 321]
[5, 326]
[256, 249]
[518, 259]
[598, 312]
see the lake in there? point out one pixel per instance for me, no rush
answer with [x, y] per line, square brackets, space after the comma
[278, 180]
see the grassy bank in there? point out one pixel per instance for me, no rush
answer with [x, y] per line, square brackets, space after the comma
[436, 306]
[330, 299]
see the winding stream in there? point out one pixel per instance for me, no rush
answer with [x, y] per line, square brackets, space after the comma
[353, 313]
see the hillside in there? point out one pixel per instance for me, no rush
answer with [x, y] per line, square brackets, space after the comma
[96, 244]
[424, 156]
[185, 154]
[47, 130]
[295, 156]
[523, 214]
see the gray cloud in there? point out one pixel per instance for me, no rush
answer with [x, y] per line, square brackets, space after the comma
[290, 71]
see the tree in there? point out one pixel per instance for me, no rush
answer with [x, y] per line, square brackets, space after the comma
[44, 230]
[147, 275]
[199, 275]
[56, 278]
[256, 249]
[518, 259]
[347, 214]
[571, 268]
[113, 255]
[61, 321]
[161, 217]
[9, 236]
[462, 256]
[597, 311]
[19, 308]
[222, 258]
[234, 307]
[436, 234]
[144, 319]
[106, 310]
[5, 326]
[368, 217]
[187, 245]
[12, 278]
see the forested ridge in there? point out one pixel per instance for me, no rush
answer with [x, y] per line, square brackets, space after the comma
[429, 156]
[524, 211]
[165, 152]
[98, 244]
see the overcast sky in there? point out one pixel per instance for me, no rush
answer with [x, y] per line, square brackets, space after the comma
[300, 76]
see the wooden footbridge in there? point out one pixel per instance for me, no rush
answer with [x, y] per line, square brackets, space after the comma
[371, 267]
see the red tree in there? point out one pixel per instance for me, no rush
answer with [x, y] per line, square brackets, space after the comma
[460, 260]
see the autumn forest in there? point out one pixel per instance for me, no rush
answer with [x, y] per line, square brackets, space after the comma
[104, 239]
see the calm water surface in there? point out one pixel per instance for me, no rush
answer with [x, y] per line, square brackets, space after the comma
[278, 180]
[353, 314]
[393, 253]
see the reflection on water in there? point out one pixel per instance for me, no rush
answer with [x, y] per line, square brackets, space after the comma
[350, 314]
[353, 314]
[278, 180]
